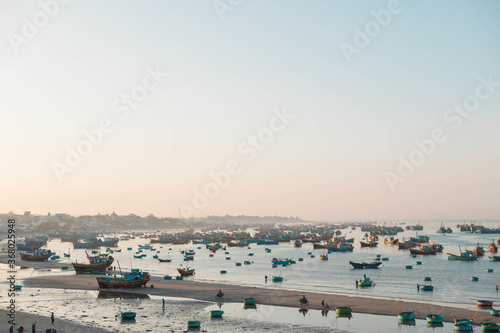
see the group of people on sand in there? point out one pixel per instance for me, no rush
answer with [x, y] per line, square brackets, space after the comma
[33, 327]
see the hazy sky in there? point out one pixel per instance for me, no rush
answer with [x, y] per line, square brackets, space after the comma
[362, 80]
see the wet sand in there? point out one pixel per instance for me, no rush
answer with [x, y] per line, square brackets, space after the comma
[43, 322]
[233, 293]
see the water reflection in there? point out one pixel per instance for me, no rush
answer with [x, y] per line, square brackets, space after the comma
[303, 311]
[406, 322]
[121, 294]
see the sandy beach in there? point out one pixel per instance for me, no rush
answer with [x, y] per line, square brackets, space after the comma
[234, 293]
[43, 322]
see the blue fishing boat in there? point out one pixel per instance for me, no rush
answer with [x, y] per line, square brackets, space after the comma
[373, 264]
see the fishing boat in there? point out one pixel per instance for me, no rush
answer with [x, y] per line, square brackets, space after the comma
[250, 301]
[409, 315]
[97, 263]
[216, 313]
[186, 272]
[405, 245]
[484, 303]
[134, 279]
[297, 243]
[462, 327]
[494, 258]
[368, 244]
[164, 260]
[128, 315]
[28, 247]
[490, 326]
[281, 261]
[434, 318]
[194, 324]
[277, 278]
[37, 255]
[323, 257]
[495, 312]
[237, 243]
[464, 255]
[343, 310]
[365, 282]
[493, 248]
[373, 264]
[427, 287]
[391, 241]
[423, 249]
[86, 244]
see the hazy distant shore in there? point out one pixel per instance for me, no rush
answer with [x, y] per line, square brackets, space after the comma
[233, 293]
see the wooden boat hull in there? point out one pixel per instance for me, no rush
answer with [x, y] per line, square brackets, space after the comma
[368, 244]
[88, 268]
[122, 284]
[423, 252]
[185, 272]
[250, 301]
[484, 303]
[365, 265]
[31, 257]
[455, 257]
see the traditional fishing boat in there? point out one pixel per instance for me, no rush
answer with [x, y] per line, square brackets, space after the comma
[37, 255]
[484, 303]
[250, 301]
[409, 315]
[427, 287]
[216, 313]
[281, 261]
[128, 315]
[86, 244]
[405, 245]
[237, 243]
[434, 318]
[373, 264]
[28, 247]
[277, 278]
[494, 258]
[298, 243]
[186, 272]
[320, 246]
[493, 248]
[391, 241]
[134, 279]
[97, 263]
[465, 255]
[194, 324]
[495, 313]
[343, 310]
[165, 260]
[490, 326]
[368, 244]
[423, 250]
[365, 282]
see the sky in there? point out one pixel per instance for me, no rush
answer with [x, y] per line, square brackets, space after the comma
[325, 110]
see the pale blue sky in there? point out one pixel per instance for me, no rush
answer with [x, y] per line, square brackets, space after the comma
[353, 119]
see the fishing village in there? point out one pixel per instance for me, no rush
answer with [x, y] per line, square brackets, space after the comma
[347, 269]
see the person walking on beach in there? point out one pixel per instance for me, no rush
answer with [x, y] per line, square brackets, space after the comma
[11, 329]
[356, 283]
[52, 318]
[20, 330]
[163, 301]
[418, 287]
[323, 304]
[33, 328]
[266, 280]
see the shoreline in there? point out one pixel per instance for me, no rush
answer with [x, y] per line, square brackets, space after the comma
[234, 293]
[26, 319]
